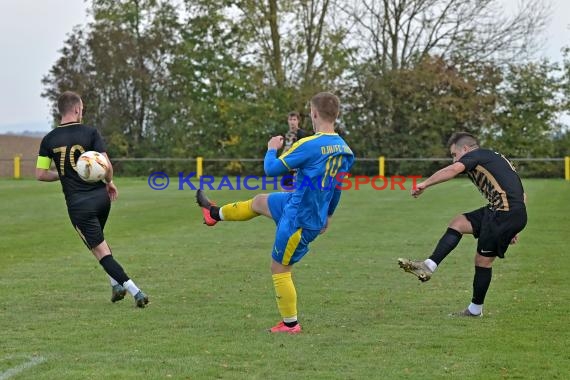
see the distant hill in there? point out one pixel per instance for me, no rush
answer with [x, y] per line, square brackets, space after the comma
[26, 134]
[36, 129]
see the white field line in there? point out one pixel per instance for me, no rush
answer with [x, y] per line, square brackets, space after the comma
[33, 361]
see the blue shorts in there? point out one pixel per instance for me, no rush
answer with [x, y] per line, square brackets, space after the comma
[291, 242]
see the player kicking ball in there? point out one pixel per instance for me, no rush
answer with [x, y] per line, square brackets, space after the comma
[495, 226]
[300, 215]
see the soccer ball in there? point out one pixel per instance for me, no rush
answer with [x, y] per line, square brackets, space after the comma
[92, 166]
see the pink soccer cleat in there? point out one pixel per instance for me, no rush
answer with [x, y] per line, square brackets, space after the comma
[205, 205]
[281, 327]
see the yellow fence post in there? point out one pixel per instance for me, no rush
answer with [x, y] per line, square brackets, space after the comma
[567, 168]
[16, 167]
[381, 166]
[199, 167]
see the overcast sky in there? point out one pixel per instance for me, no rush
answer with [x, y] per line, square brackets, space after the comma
[32, 32]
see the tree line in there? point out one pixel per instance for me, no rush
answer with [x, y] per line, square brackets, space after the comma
[216, 78]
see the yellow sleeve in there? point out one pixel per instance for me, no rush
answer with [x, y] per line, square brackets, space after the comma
[43, 162]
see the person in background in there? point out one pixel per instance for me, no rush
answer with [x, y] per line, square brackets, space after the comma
[293, 135]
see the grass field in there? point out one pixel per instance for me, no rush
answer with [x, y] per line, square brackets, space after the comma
[212, 296]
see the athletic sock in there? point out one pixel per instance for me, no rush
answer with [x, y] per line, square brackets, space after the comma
[131, 287]
[215, 213]
[113, 281]
[431, 264]
[291, 324]
[475, 309]
[446, 244]
[238, 211]
[114, 269]
[481, 282]
[286, 296]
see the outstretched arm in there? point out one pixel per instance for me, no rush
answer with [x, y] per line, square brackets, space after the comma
[441, 175]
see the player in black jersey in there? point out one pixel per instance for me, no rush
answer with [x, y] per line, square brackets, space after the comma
[88, 204]
[495, 226]
[293, 135]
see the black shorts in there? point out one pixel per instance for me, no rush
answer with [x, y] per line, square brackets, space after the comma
[88, 212]
[495, 229]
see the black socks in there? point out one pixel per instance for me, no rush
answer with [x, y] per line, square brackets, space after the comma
[446, 244]
[114, 269]
[215, 212]
[481, 283]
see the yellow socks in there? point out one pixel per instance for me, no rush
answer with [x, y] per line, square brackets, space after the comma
[286, 296]
[238, 211]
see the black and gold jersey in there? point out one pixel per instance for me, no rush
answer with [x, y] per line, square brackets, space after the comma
[495, 177]
[64, 145]
[292, 137]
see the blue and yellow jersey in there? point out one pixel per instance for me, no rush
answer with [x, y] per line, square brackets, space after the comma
[320, 160]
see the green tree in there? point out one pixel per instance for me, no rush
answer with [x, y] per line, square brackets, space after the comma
[234, 77]
[216, 77]
[527, 117]
[562, 139]
[412, 112]
[426, 68]
[118, 63]
[527, 111]
[298, 44]
[213, 99]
